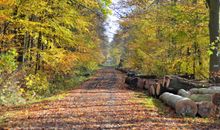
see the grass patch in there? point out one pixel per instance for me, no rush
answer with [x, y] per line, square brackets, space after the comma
[52, 98]
[150, 102]
[58, 95]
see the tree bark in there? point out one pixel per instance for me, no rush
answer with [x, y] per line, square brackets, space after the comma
[201, 97]
[37, 65]
[178, 83]
[148, 83]
[183, 106]
[183, 93]
[151, 90]
[216, 99]
[206, 109]
[140, 83]
[160, 89]
[131, 81]
[214, 67]
[205, 90]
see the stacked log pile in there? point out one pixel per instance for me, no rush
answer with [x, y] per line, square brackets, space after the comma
[186, 95]
[203, 97]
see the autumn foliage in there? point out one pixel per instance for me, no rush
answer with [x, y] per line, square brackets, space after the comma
[46, 39]
[165, 37]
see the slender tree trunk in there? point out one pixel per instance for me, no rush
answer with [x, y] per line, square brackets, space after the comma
[214, 33]
[38, 55]
[4, 31]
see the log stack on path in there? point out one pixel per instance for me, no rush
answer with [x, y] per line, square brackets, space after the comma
[204, 101]
[187, 96]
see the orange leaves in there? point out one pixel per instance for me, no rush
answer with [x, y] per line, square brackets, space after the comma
[4, 3]
[7, 38]
[67, 63]
[3, 18]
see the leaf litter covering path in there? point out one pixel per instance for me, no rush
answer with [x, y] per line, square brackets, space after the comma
[103, 102]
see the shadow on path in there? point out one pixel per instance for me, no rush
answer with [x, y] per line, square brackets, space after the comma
[104, 102]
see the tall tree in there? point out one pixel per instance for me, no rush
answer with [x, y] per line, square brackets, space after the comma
[214, 34]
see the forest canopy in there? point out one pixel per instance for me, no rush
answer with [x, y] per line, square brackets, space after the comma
[165, 37]
[43, 42]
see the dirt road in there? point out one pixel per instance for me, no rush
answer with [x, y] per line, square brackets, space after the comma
[103, 102]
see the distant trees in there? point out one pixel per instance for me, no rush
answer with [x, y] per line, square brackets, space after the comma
[168, 37]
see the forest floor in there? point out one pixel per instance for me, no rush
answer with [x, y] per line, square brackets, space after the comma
[103, 102]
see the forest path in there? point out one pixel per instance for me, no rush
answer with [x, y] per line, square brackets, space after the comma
[103, 102]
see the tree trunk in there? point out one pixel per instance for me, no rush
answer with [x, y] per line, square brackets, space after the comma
[151, 90]
[183, 106]
[160, 89]
[183, 93]
[178, 83]
[205, 90]
[216, 99]
[37, 66]
[214, 67]
[131, 81]
[140, 83]
[201, 97]
[206, 109]
[148, 83]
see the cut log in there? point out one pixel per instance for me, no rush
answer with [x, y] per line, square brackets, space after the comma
[152, 90]
[146, 76]
[210, 90]
[201, 97]
[167, 82]
[164, 82]
[206, 109]
[183, 93]
[127, 80]
[214, 87]
[149, 91]
[153, 93]
[160, 89]
[131, 81]
[216, 99]
[140, 83]
[183, 106]
[178, 83]
[148, 83]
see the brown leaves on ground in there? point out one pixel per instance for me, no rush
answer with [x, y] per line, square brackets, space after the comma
[104, 102]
